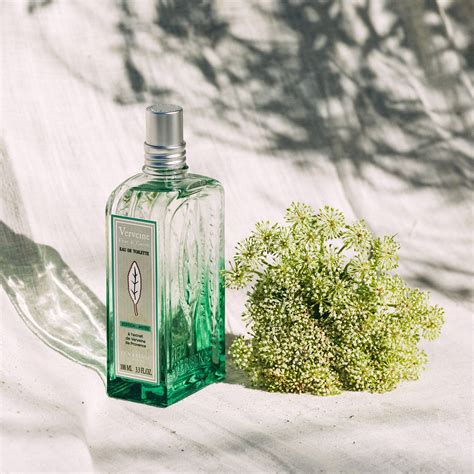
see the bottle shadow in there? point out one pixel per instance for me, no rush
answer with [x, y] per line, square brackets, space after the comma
[52, 301]
[57, 306]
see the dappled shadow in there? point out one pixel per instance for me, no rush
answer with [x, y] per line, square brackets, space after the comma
[139, 88]
[34, 5]
[360, 84]
[367, 85]
[447, 278]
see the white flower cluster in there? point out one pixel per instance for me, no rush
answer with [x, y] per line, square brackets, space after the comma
[325, 311]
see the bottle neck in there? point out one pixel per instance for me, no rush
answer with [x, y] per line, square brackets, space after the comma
[165, 160]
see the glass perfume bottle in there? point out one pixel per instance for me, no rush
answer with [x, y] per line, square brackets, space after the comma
[165, 256]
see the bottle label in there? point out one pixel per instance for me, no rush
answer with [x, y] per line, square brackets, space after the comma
[135, 313]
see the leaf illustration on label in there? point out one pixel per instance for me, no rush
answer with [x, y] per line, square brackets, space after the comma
[134, 285]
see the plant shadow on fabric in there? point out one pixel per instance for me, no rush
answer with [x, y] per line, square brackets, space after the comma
[366, 85]
[343, 84]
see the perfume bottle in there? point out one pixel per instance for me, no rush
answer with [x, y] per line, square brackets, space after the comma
[165, 256]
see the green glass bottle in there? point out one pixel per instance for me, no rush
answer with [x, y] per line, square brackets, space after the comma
[165, 256]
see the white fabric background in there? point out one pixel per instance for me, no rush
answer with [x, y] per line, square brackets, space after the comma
[281, 103]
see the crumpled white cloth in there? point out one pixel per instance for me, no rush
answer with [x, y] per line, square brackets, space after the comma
[366, 106]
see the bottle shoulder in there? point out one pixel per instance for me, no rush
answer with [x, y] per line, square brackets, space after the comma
[145, 186]
[147, 182]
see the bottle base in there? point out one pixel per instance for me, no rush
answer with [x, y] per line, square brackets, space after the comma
[163, 395]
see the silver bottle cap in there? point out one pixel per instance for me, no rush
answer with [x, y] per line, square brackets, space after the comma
[164, 145]
[164, 125]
